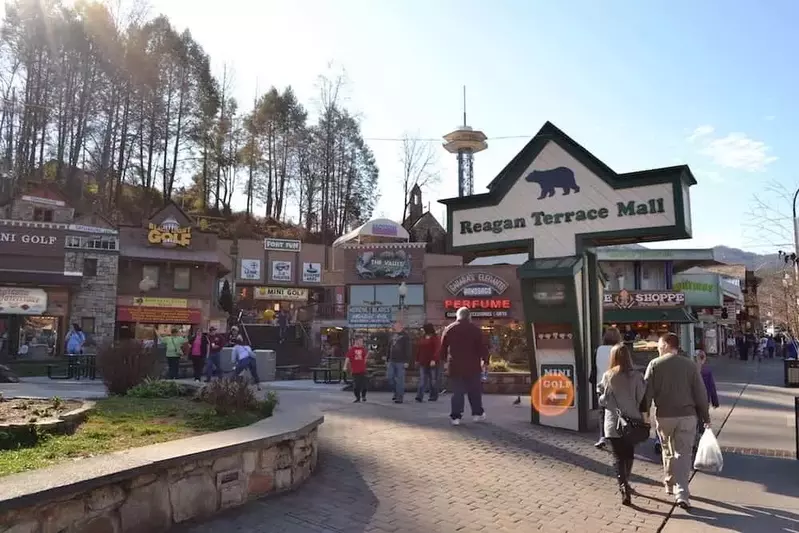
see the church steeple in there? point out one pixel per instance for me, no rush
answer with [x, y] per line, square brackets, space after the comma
[415, 208]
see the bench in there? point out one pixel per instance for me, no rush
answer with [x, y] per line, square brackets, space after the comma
[77, 367]
[327, 374]
[288, 372]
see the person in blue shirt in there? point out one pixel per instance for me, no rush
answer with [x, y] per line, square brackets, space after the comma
[75, 340]
[791, 349]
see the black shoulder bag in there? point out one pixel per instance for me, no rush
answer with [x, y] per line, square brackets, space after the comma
[634, 430]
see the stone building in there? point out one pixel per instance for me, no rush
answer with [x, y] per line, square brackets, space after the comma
[423, 226]
[58, 269]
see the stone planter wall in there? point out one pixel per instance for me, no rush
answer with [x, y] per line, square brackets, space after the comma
[498, 383]
[150, 489]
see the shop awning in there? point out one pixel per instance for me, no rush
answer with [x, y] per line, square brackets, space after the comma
[40, 278]
[679, 315]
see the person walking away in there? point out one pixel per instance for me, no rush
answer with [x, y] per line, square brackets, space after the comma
[463, 346]
[213, 365]
[740, 342]
[710, 387]
[428, 363]
[199, 353]
[675, 386]
[244, 359]
[75, 340]
[791, 348]
[399, 356]
[621, 393]
[611, 338]
[283, 324]
[771, 346]
[174, 350]
[356, 363]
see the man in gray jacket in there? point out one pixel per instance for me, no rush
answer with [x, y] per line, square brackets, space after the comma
[674, 384]
[399, 356]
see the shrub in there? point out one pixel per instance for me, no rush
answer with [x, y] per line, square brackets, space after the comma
[157, 388]
[125, 364]
[229, 395]
[266, 407]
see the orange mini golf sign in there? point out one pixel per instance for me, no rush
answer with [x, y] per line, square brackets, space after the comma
[553, 393]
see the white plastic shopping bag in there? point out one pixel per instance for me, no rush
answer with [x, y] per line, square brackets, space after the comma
[708, 454]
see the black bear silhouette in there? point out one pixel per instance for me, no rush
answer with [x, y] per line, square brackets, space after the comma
[549, 180]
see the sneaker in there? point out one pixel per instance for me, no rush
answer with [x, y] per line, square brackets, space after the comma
[456, 421]
[600, 444]
[363, 398]
[397, 401]
[357, 400]
[419, 400]
[479, 418]
[685, 505]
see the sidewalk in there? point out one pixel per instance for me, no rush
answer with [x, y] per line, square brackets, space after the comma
[753, 492]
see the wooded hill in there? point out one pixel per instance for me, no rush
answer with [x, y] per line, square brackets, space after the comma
[123, 112]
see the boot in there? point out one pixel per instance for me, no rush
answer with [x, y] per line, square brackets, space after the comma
[624, 491]
[628, 473]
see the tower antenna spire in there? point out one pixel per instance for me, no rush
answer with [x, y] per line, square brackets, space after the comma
[465, 142]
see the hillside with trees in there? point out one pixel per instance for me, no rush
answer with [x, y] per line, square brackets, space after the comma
[122, 112]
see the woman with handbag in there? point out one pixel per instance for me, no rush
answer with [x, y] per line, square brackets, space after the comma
[621, 393]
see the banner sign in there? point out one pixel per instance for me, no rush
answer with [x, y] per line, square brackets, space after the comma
[477, 284]
[280, 293]
[282, 245]
[176, 303]
[20, 301]
[159, 315]
[369, 316]
[390, 264]
[311, 272]
[251, 269]
[482, 308]
[625, 299]
[281, 270]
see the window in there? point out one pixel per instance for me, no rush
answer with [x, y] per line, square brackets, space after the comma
[87, 325]
[90, 268]
[182, 279]
[41, 214]
[362, 295]
[92, 243]
[151, 272]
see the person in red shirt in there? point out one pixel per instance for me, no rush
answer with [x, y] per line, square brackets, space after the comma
[356, 363]
[428, 363]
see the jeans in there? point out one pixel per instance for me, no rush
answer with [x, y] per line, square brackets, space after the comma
[213, 366]
[427, 380]
[470, 386]
[198, 364]
[360, 382]
[173, 365]
[677, 439]
[248, 363]
[623, 457]
[395, 372]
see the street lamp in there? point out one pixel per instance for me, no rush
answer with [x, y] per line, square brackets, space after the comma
[402, 291]
[145, 285]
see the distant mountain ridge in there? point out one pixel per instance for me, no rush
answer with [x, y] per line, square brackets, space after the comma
[725, 254]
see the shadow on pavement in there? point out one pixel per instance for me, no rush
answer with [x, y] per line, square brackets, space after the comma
[342, 501]
[776, 476]
[722, 516]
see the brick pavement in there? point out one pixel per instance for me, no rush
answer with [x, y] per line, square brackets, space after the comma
[387, 468]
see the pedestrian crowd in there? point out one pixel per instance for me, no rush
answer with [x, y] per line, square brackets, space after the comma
[681, 391]
[460, 353]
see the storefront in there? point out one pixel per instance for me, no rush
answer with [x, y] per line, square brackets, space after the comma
[711, 299]
[169, 277]
[258, 299]
[32, 322]
[643, 316]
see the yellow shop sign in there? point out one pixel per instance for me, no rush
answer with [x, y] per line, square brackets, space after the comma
[169, 234]
[281, 293]
[161, 302]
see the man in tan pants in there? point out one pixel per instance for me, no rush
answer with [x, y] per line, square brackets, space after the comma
[675, 386]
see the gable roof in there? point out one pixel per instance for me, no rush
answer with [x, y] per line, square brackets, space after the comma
[170, 203]
[508, 176]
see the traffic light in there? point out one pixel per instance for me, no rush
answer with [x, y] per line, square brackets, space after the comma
[724, 314]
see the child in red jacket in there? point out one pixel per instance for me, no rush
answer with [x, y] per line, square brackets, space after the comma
[356, 362]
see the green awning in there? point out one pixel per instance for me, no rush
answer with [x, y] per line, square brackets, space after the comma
[558, 267]
[630, 316]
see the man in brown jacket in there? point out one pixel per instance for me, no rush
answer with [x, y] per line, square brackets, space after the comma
[462, 345]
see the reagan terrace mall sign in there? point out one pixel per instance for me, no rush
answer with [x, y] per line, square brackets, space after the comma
[560, 197]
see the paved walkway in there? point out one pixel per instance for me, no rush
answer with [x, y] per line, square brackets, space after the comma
[403, 468]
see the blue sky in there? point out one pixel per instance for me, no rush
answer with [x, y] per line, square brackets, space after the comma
[640, 84]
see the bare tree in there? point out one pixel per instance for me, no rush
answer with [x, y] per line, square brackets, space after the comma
[769, 219]
[419, 167]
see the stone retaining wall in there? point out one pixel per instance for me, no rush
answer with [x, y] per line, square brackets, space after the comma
[150, 489]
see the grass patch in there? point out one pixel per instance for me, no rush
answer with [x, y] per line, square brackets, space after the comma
[118, 423]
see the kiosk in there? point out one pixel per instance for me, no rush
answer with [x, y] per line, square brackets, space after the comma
[556, 202]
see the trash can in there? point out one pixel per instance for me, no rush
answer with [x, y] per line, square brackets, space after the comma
[796, 423]
[791, 372]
